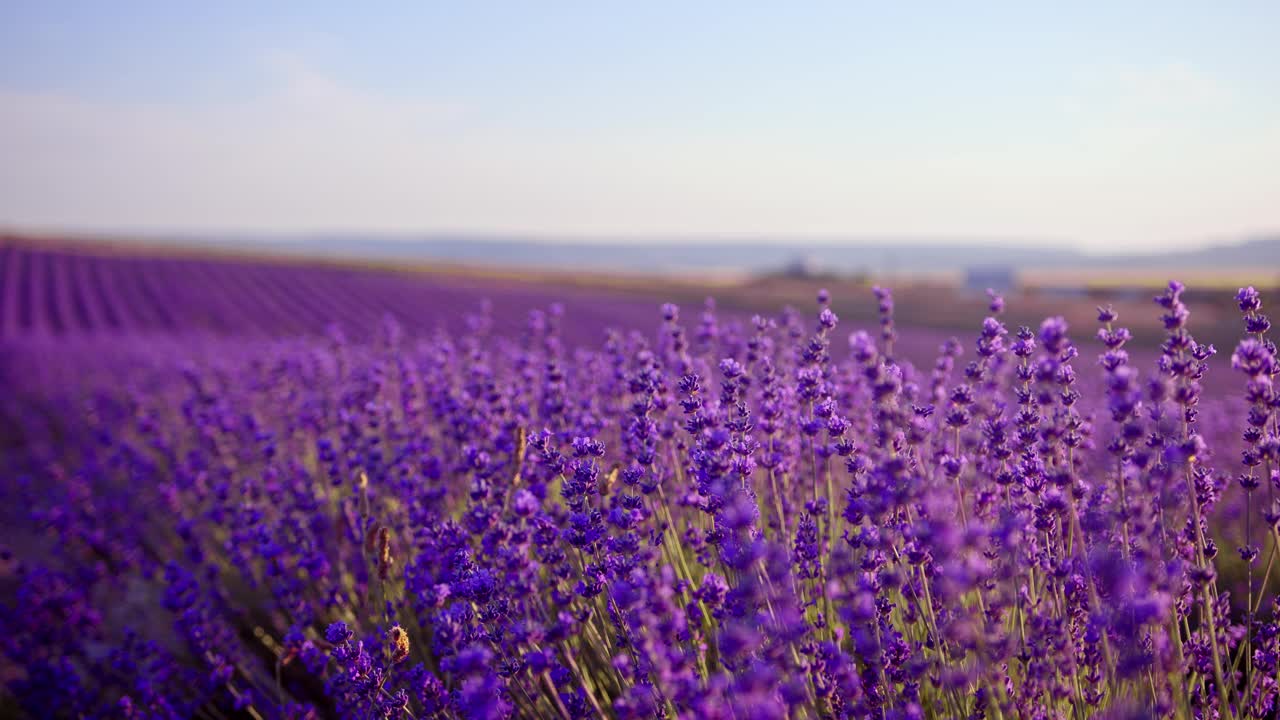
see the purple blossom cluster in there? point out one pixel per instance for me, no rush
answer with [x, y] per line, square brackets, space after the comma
[721, 519]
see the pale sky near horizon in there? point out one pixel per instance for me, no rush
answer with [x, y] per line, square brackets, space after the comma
[1105, 126]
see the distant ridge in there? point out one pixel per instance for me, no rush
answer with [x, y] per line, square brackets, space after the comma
[671, 254]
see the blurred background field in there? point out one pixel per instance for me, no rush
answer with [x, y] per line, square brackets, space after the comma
[79, 288]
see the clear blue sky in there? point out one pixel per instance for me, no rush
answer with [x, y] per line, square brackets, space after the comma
[1105, 125]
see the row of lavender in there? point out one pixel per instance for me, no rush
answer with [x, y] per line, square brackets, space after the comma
[721, 520]
[51, 292]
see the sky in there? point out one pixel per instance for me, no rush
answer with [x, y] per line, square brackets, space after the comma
[1105, 126]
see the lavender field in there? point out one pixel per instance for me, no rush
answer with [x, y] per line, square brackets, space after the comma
[249, 488]
[72, 291]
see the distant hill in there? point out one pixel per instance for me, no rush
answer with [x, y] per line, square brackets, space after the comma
[672, 255]
[754, 256]
[1256, 252]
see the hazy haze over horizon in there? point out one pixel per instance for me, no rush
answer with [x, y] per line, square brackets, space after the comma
[1104, 129]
